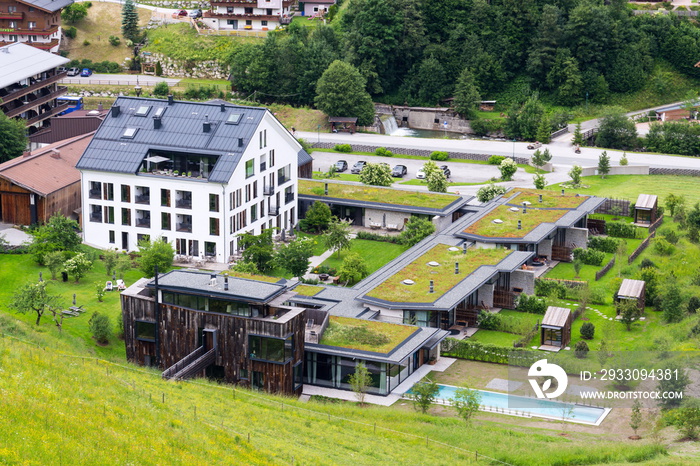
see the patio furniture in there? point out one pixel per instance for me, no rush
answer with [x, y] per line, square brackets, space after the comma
[375, 225]
[109, 286]
[120, 285]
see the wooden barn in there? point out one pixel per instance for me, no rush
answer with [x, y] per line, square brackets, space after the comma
[632, 289]
[234, 329]
[646, 209]
[41, 183]
[555, 330]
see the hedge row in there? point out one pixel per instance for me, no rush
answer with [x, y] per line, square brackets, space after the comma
[605, 244]
[621, 230]
[589, 256]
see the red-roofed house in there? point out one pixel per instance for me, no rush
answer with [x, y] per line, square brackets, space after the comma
[37, 185]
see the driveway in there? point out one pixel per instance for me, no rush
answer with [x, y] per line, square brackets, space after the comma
[13, 236]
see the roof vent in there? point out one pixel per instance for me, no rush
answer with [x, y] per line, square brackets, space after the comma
[497, 220]
[456, 268]
[225, 283]
[520, 224]
[157, 122]
[325, 189]
[171, 100]
[240, 142]
[540, 197]
[55, 154]
[432, 290]
[212, 280]
[562, 192]
[100, 107]
[115, 111]
[408, 282]
[514, 209]
[223, 107]
[453, 249]
[464, 248]
[525, 207]
[206, 127]
[433, 263]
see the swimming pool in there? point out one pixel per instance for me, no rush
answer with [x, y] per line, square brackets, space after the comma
[521, 405]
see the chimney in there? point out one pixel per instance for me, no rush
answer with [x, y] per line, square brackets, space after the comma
[223, 107]
[325, 189]
[170, 100]
[240, 142]
[206, 127]
[540, 197]
[115, 111]
[26, 154]
[156, 122]
[464, 247]
[562, 192]
[431, 287]
[456, 268]
[55, 154]
[212, 280]
[520, 224]
[524, 208]
[100, 107]
[226, 283]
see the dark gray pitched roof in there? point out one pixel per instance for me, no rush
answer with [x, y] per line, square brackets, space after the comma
[181, 131]
[49, 5]
[200, 283]
[304, 157]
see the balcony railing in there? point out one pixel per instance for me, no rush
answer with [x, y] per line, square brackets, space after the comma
[32, 31]
[282, 179]
[26, 106]
[43, 116]
[184, 227]
[143, 222]
[11, 15]
[184, 203]
[273, 211]
[95, 194]
[561, 253]
[504, 299]
[268, 190]
[96, 217]
[289, 197]
[143, 199]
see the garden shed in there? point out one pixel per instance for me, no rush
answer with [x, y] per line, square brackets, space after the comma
[646, 209]
[555, 331]
[632, 289]
[343, 124]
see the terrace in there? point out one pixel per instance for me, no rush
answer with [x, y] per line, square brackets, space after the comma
[365, 335]
[376, 194]
[437, 265]
[512, 222]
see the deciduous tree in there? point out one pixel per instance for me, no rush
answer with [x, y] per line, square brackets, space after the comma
[318, 216]
[337, 236]
[616, 131]
[424, 394]
[466, 402]
[59, 234]
[78, 266]
[360, 381]
[415, 230]
[376, 174]
[74, 12]
[353, 269]
[341, 92]
[13, 138]
[33, 297]
[258, 249]
[155, 253]
[294, 257]
[508, 169]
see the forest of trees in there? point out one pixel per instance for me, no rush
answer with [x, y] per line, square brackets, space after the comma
[416, 51]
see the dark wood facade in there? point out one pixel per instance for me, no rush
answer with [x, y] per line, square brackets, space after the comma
[21, 206]
[23, 22]
[181, 333]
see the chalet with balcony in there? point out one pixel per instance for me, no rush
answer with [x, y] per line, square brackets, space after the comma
[33, 22]
[194, 174]
[29, 84]
[248, 15]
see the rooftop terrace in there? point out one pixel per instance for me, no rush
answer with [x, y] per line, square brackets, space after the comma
[377, 194]
[365, 335]
[437, 264]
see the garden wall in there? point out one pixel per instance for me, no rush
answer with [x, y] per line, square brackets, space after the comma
[674, 171]
[485, 295]
[619, 170]
[210, 69]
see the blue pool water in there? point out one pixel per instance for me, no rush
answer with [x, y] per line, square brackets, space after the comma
[533, 406]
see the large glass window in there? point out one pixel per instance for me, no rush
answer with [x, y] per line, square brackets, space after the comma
[126, 193]
[213, 226]
[270, 349]
[108, 191]
[165, 221]
[165, 197]
[249, 168]
[145, 331]
[213, 202]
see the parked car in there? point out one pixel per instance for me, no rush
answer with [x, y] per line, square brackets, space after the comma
[87, 72]
[399, 171]
[357, 168]
[420, 174]
[61, 69]
[195, 14]
[445, 170]
[180, 13]
[73, 71]
[341, 166]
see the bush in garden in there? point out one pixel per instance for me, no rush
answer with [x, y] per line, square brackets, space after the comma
[587, 331]
[581, 349]
[383, 152]
[439, 156]
[100, 327]
[663, 247]
[71, 32]
[114, 40]
[550, 288]
[486, 193]
[342, 148]
[693, 305]
[621, 230]
[489, 321]
[589, 256]
[598, 295]
[161, 89]
[531, 304]
[496, 159]
[671, 236]
[647, 263]
[508, 169]
[604, 244]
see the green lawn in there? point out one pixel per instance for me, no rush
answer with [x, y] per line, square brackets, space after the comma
[339, 176]
[630, 186]
[508, 228]
[375, 253]
[365, 335]
[492, 337]
[417, 182]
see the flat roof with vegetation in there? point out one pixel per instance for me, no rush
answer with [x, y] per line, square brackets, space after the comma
[251, 276]
[490, 227]
[550, 199]
[308, 290]
[364, 335]
[420, 272]
[377, 194]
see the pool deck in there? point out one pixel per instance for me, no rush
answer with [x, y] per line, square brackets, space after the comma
[440, 366]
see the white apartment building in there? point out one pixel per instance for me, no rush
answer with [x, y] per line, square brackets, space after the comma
[195, 174]
[256, 15]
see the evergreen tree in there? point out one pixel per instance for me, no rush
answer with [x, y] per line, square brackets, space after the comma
[603, 164]
[544, 130]
[578, 135]
[467, 97]
[130, 21]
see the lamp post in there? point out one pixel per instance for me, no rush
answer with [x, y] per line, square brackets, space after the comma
[513, 149]
[319, 133]
[137, 88]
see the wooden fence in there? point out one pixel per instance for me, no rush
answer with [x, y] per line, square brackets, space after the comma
[656, 224]
[568, 283]
[641, 248]
[599, 274]
[614, 207]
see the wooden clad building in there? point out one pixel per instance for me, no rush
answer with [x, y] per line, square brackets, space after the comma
[41, 183]
[555, 331]
[234, 329]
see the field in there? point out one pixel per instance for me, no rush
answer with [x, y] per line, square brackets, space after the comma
[103, 20]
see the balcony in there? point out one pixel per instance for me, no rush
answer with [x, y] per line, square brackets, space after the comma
[282, 179]
[45, 45]
[96, 217]
[184, 203]
[184, 227]
[32, 31]
[144, 222]
[35, 103]
[273, 211]
[43, 116]
[143, 199]
[268, 190]
[288, 197]
[11, 15]
[241, 16]
[95, 194]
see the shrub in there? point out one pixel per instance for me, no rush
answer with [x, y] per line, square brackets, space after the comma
[693, 234]
[439, 156]
[693, 305]
[383, 152]
[100, 327]
[161, 89]
[483, 127]
[375, 237]
[99, 291]
[581, 349]
[71, 32]
[496, 159]
[663, 247]
[159, 69]
[342, 148]
[486, 193]
[598, 295]
[114, 40]
[621, 230]
[589, 256]
[488, 320]
[550, 288]
[86, 42]
[508, 169]
[587, 331]
[671, 236]
[539, 181]
[646, 262]
[531, 304]
[600, 243]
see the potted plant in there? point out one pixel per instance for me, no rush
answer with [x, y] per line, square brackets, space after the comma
[189, 174]
[176, 173]
[432, 361]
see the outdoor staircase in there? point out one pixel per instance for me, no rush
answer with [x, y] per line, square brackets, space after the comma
[191, 365]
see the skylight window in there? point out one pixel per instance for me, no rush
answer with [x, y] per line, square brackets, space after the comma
[143, 110]
[234, 119]
[129, 133]
[159, 112]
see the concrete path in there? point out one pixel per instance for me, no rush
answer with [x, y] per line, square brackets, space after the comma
[14, 236]
[317, 260]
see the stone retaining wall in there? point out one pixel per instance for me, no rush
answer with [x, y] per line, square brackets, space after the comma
[674, 171]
